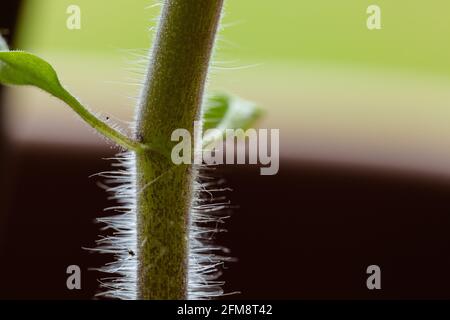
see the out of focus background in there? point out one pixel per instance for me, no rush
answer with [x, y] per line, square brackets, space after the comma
[364, 119]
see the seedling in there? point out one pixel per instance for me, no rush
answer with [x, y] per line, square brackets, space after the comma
[162, 220]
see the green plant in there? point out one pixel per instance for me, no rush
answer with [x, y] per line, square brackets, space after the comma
[158, 243]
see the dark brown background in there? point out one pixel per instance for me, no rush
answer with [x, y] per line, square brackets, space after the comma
[308, 232]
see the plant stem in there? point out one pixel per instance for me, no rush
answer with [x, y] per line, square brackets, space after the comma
[171, 99]
[99, 125]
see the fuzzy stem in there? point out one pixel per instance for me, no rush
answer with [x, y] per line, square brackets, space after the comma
[99, 125]
[171, 99]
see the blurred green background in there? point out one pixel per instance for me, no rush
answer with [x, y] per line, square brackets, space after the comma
[336, 90]
[414, 34]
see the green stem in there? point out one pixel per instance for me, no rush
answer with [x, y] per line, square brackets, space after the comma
[99, 125]
[171, 99]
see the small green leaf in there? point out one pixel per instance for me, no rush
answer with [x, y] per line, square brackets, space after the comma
[23, 68]
[223, 112]
[3, 44]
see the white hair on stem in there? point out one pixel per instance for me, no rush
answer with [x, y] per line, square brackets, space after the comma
[207, 216]
[122, 282]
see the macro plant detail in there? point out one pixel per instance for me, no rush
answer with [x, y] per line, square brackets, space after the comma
[162, 224]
